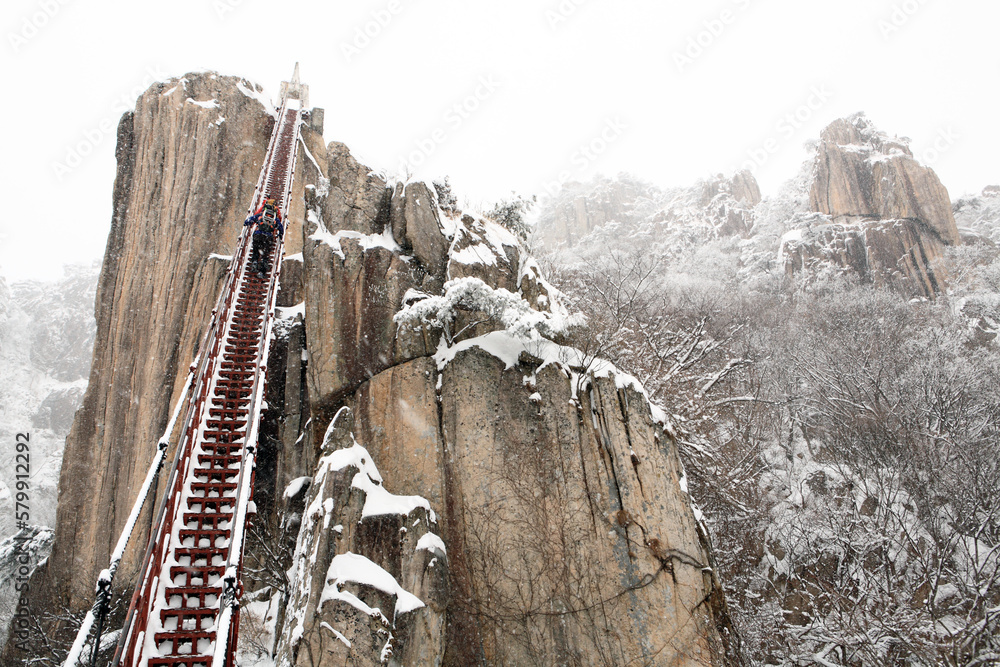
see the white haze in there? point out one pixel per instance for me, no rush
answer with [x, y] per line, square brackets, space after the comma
[552, 76]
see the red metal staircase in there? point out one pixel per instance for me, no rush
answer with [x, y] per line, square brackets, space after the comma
[185, 609]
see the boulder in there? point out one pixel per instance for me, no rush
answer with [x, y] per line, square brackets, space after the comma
[416, 226]
[862, 172]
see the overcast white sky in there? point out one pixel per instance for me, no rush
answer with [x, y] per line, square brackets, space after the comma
[668, 91]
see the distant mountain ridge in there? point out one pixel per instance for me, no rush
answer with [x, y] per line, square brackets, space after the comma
[862, 205]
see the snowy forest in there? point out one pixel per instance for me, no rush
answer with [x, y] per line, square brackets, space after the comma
[839, 433]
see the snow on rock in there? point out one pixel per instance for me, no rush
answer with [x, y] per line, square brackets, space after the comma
[366, 241]
[295, 487]
[508, 348]
[255, 92]
[342, 554]
[378, 501]
[475, 254]
[349, 567]
[204, 104]
[504, 308]
[431, 542]
[791, 236]
[337, 633]
[291, 312]
[302, 143]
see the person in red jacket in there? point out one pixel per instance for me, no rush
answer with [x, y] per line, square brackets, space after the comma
[269, 204]
[268, 227]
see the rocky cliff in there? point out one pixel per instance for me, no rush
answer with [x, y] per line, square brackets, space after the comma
[868, 208]
[578, 209]
[188, 160]
[444, 478]
[532, 509]
[889, 218]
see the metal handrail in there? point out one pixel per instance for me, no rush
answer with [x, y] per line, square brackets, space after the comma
[143, 598]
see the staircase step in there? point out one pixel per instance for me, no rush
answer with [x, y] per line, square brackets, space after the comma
[202, 572]
[182, 661]
[212, 535]
[207, 519]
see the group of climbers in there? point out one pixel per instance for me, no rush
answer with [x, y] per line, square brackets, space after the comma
[267, 220]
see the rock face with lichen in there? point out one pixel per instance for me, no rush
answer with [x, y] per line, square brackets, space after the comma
[188, 159]
[442, 478]
[529, 498]
[888, 218]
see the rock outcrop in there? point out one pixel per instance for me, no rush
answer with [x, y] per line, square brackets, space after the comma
[741, 186]
[729, 202]
[188, 161]
[459, 485]
[861, 172]
[578, 210]
[718, 206]
[555, 491]
[370, 579]
[893, 253]
[890, 218]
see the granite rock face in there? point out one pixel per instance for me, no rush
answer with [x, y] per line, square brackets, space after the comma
[890, 253]
[861, 172]
[354, 283]
[458, 486]
[577, 215]
[554, 488]
[188, 160]
[741, 186]
[729, 203]
[572, 542]
[889, 217]
[370, 579]
[416, 226]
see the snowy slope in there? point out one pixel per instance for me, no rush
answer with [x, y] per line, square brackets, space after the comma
[46, 339]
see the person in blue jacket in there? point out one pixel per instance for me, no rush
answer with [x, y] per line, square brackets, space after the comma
[267, 227]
